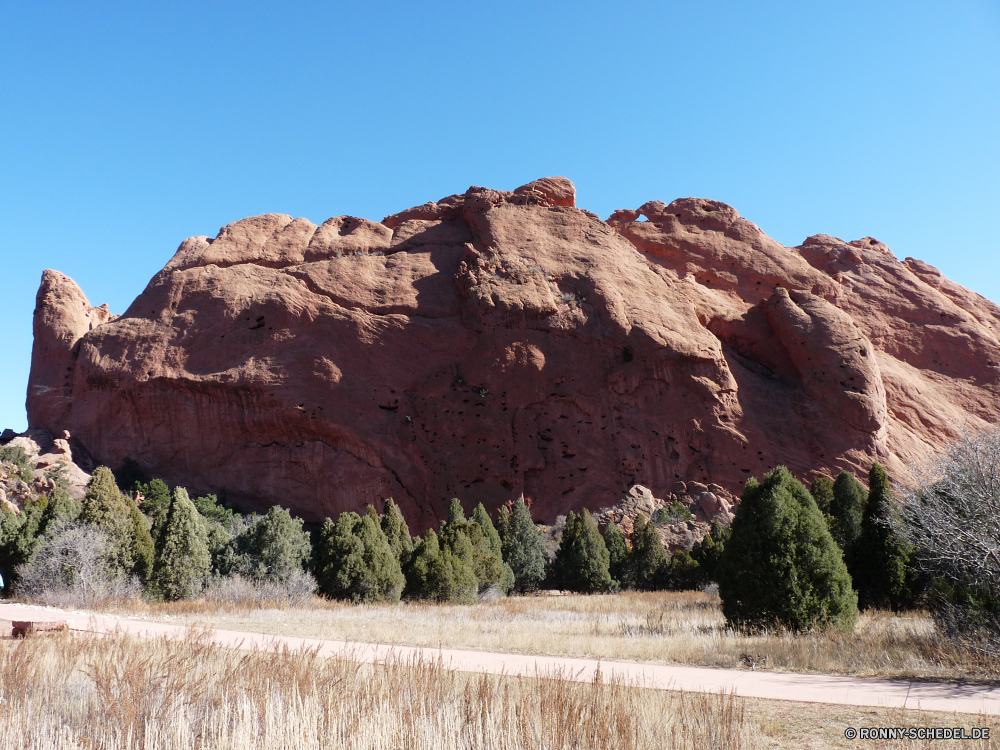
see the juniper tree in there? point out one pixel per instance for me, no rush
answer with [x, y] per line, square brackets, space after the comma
[355, 561]
[708, 553]
[494, 546]
[182, 561]
[60, 511]
[846, 510]
[105, 508]
[523, 548]
[619, 556]
[882, 555]
[822, 492]
[396, 531]
[780, 564]
[649, 557]
[155, 503]
[143, 549]
[272, 548]
[582, 560]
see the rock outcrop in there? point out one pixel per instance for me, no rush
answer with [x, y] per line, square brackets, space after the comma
[497, 343]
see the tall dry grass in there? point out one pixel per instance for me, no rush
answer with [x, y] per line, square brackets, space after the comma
[660, 627]
[69, 691]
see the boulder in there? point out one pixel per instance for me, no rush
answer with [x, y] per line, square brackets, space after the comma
[494, 343]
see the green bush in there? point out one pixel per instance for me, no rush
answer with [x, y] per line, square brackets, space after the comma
[649, 557]
[671, 514]
[780, 566]
[847, 508]
[107, 509]
[14, 454]
[272, 547]
[822, 492]
[494, 547]
[582, 559]
[396, 531]
[523, 546]
[440, 574]
[355, 561]
[183, 562]
[882, 556]
[619, 557]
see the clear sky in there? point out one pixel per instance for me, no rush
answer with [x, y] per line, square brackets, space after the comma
[126, 127]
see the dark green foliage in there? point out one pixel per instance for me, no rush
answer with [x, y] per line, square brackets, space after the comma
[273, 547]
[523, 547]
[822, 492]
[355, 561]
[396, 531]
[467, 543]
[582, 560]
[106, 508]
[155, 503]
[649, 557]
[209, 508]
[143, 552]
[60, 511]
[439, 573]
[182, 562]
[14, 454]
[682, 572]
[846, 511]
[455, 511]
[673, 513]
[619, 557]
[494, 546]
[882, 556]
[780, 565]
[21, 537]
[708, 553]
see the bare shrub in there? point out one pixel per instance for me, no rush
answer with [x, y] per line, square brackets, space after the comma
[296, 591]
[952, 519]
[73, 566]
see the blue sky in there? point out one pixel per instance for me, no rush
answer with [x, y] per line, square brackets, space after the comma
[124, 129]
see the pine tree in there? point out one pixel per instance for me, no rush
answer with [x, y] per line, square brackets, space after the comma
[523, 548]
[649, 557]
[882, 556]
[106, 508]
[275, 547]
[582, 560]
[425, 570]
[708, 553]
[396, 531]
[846, 510]
[355, 560]
[143, 550]
[682, 572]
[780, 564]
[61, 510]
[494, 546]
[619, 556]
[182, 561]
[155, 503]
[455, 511]
[822, 492]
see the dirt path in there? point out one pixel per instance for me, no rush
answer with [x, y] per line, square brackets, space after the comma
[853, 691]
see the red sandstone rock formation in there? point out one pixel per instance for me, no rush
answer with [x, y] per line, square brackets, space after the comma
[494, 343]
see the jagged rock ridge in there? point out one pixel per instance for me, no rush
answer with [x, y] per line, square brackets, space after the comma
[498, 343]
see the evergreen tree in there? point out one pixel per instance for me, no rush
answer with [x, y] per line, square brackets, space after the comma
[682, 572]
[61, 511]
[822, 492]
[273, 548]
[396, 531]
[582, 560]
[455, 511]
[21, 537]
[355, 560]
[143, 550]
[466, 541]
[155, 503]
[523, 547]
[882, 556]
[708, 553]
[780, 564]
[210, 509]
[619, 556]
[494, 546]
[649, 557]
[107, 509]
[182, 562]
[846, 510]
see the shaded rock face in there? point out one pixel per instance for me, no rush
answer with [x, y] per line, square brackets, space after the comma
[497, 343]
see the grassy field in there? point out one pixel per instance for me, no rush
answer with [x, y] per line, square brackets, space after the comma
[70, 691]
[661, 627]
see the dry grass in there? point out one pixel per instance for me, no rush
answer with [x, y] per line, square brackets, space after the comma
[660, 627]
[70, 691]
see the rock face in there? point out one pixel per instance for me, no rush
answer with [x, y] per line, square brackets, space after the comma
[497, 343]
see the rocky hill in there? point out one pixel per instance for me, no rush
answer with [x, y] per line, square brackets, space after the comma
[498, 343]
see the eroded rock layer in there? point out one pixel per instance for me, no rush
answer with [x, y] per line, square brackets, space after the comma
[498, 343]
